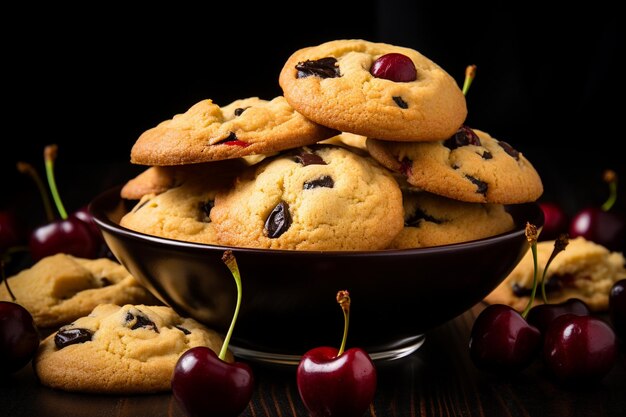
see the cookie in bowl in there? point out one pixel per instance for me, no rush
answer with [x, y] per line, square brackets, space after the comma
[315, 198]
[584, 270]
[120, 350]
[373, 89]
[432, 220]
[207, 132]
[61, 288]
[469, 166]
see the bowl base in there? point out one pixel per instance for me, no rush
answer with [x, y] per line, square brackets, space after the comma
[398, 350]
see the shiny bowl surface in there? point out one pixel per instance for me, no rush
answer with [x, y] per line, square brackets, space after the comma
[289, 302]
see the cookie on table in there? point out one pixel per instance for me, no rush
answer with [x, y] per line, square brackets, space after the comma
[61, 288]
[315, 198]
[469, 166]
[208, 132]
[331, 84]
[158, 179]
[120, 350]
[584, 270]
[432, 220]
[181, 213]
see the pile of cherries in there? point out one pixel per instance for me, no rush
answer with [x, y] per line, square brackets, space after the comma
[576, 347]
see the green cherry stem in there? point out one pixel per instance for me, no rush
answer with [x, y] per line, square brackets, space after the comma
[343, 298]
[229, 259]
[470, 74]
[531, 236]
[610, 177]
[50, 154]
[559, 246]
[26, 168]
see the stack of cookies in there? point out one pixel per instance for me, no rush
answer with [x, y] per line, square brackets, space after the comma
[365, 150]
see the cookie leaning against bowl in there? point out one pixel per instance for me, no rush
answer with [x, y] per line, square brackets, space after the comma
[208, 132]
[120, 350]
[61, 288]
[432, 220]
[318, 198]
[332, 84]
[470, 166]
[182, 212]
[584, 270]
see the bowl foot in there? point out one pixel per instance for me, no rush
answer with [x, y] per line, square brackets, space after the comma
[396, 350]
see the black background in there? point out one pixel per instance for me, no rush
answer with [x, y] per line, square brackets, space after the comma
[92, 80]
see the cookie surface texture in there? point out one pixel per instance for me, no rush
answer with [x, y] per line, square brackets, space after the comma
[318, 198]
[331, 84]
[584, 270]
[470, 166]
[120, 350]
[431, 220]
[181, 213]
[208, 132]
[61, 288]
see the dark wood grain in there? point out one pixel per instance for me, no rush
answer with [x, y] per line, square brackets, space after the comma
[439, 381]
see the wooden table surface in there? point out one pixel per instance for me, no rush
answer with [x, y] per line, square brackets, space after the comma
[437, 380]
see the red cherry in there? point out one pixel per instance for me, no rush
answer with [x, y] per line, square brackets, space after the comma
[395, 67]
[10, 231]
[70, 236]
[556, 221]
[337, 382]
[542, 315]
[84, 215]
[19, 338]
[606, 228]
[502, 341]
[204, 385]
[332, 385]
[617, 307]
[579, 348]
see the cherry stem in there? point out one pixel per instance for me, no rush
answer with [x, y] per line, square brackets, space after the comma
[26, 168]
[610, 177]
[229, 259]
[50, 154]
[6, 281]
[559, 246]
[343, 298]
[470, 74]
[531, 236]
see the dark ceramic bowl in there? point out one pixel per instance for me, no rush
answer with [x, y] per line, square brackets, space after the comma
[289, 302]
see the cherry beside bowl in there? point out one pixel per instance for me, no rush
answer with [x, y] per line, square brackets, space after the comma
[289, 303]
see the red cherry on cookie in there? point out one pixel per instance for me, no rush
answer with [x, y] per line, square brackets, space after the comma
[395, 67]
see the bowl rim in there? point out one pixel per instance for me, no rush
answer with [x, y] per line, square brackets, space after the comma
[102, 219]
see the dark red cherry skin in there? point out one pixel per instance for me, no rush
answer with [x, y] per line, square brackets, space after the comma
[19, 338]
[556, 221]
[204, 385]
[542, 315]
[10, 231]
[617, 307]
[501, 341]
[579, 349]
[607, 228]
[83, 214]
[70, 236]
[331, 385]
[395, 67]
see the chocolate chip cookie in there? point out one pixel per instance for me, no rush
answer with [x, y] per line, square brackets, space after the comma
[61, 288]
[469, 166]
[208, 132]
[584, 270]
[315, 198]
[336, 84]
[120, 350]
[432, 220]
